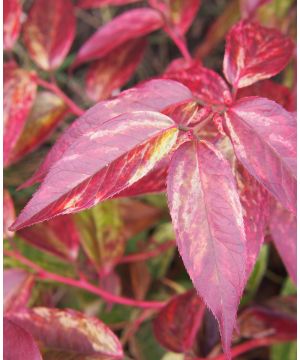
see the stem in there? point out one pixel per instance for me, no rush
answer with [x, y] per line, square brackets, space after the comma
[180, 43]
[146, 255]
[83, 284]
[54, 88]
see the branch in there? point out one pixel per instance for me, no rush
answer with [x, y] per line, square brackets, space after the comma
[83, 284]
[56, 90]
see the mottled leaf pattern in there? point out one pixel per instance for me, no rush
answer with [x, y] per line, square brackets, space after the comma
[114, 70]
[19, 95]
[9, 214]
[12, 11]
[49, 32]
[18, 344]
[130, 25]
[154, 95]
[269, 156]
[283, 226]
[47, 112]
[101, 163]
[207, 217]
[254, 53]
[178, 322]
[69, 330]
[58, 236]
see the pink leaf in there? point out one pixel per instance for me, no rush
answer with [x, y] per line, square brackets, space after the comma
[254, 53]
[152, 95]
[263, 135]
[176, 325]
[104, 161]
[87, 4]
[19, 95]
[49, 32]
[69, 330]
[114, 70]
[255, 202]
[58, 236]
[205, 84]
[18, 344]
[207, 217]
[130, 25]
[17, 286]
[283, 226]
[9, 214]
[179, 13]
[271, 90]
[12, 11]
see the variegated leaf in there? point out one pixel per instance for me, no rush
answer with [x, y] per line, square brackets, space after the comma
[207, 217]
[12, 11]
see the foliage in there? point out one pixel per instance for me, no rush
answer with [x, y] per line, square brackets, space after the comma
[92, 270]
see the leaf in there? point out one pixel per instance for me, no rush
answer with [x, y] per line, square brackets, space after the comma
[271, 90]
[58, 236]
[19, 94]
[205, 84]
[207, 217]
[254, 53]
[101, 163]
[49, 32]
[9, 214]
[18, 344]
[12, 11]
[249, 7]
[286, 351]
[87, 4]
[263, 135]
[174, 326]
[140, 279]
[114, 70]
[130, 25]
[283, 226]
[17, 286]
[255, 202]
[179, 13]
[154, 95]
[47, 112]
[257, 322]
[69, 330]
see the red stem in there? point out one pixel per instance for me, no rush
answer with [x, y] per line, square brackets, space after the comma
[83, 284]
[54, 88]
[179, 41]
[146, 255]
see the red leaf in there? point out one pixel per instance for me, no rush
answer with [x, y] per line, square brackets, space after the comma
[87, 4]
[9, 214]
[249, 7]
[179, 13]
[205, 84]
[130, 25]
[101, 163]
[19, 95]
[176, 325]
[152, 95]
[263, 135]
[254, 53]
[255, 202]
[18, 344]
[17, 285]
[271, 90]
[70, 331]
[49, 32]
[283, 226]
[12, 11]
[258, 322]
[47, 112]
[114, 70]
[207, 217]
[59, 236]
